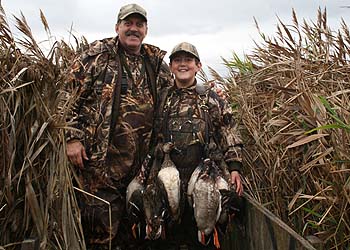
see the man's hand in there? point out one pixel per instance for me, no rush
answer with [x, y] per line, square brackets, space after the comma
[236, 179]
[76, 153]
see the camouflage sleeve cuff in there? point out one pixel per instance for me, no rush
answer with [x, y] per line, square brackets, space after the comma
[74, 134]
[234, 166]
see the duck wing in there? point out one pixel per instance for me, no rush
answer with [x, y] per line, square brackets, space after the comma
[134, 206]
[223, 186]
[134, 193]
[190, 186]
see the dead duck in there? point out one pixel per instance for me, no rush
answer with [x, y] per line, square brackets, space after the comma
[205, 198]
[231, 205]
[156, 209]
[134, 200]
[155, 203]
[170, 177]
[162, 195]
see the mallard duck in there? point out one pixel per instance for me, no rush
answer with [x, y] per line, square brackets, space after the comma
[134, 199]
[155, 203]
[156, 209]
[161, 198]
[231, 204]
[204, 196]
[170, 177]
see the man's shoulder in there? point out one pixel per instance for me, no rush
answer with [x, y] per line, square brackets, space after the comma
[100, 46]
[153, 50]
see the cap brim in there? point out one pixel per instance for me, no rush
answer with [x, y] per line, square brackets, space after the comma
[188, 52]
[135, 12]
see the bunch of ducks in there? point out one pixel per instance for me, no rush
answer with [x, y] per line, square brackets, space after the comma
[154, 202]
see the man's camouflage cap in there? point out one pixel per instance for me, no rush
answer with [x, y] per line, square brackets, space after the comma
[129, 9]
[186, 47]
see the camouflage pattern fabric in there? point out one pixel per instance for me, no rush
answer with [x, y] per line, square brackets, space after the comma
[111, 165]
[180, 119]
[185, 127]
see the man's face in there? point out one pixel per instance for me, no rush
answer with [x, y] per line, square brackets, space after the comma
[132, 30]
[184, 66]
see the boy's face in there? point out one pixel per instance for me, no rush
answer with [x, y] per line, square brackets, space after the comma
[184, 66]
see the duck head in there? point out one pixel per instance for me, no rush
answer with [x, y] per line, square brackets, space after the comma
[167, 147]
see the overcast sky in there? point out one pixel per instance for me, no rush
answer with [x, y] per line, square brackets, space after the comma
[216, 28]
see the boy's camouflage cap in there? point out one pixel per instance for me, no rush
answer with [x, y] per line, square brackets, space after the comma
[129, 9]
[186, 47]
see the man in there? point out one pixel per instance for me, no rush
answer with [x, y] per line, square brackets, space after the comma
[201, 126]
[117, 80]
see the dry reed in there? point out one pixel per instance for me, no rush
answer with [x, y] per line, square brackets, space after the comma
[293, 94]
[36, 192]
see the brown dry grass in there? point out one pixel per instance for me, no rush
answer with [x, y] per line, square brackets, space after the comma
[293, 94]
[36, 194]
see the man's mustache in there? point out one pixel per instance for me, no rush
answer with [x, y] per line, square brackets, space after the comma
[133, 33]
